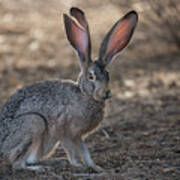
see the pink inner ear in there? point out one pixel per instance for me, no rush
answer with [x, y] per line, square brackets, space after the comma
[120, 37]
[79, 38]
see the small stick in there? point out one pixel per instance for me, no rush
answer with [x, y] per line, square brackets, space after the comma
[89, 174]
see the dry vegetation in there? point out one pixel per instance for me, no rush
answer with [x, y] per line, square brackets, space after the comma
[140, 137]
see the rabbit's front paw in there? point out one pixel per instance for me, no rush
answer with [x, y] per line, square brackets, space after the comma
[77, 164]
[98, 169]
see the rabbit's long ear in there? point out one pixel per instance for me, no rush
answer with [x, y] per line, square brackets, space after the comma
[118, 37]
[78, 35]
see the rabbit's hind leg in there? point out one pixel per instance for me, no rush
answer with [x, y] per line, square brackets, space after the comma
[26, 155]
[25, 143]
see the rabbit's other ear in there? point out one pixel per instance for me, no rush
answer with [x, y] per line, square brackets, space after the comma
[78, 35]
[118, 37]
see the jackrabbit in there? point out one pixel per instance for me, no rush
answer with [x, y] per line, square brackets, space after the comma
[39, 116]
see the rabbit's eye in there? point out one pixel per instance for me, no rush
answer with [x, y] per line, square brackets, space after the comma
[91, 77]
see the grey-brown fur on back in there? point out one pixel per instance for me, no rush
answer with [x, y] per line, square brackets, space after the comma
[50, 99]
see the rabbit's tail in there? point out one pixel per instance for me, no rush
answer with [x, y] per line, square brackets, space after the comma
[3, 133]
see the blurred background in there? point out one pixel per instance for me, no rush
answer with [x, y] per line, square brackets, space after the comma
[145, 78]
[32, 41]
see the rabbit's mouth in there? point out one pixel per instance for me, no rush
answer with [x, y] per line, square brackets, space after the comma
[106, 95]
[102, 95]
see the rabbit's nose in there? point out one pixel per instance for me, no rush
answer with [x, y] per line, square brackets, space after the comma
[107, 94]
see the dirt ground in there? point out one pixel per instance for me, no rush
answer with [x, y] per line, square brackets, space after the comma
[140, 136]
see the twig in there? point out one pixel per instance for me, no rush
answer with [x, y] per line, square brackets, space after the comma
[89, 174]
[106, 133]
[52, 174]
